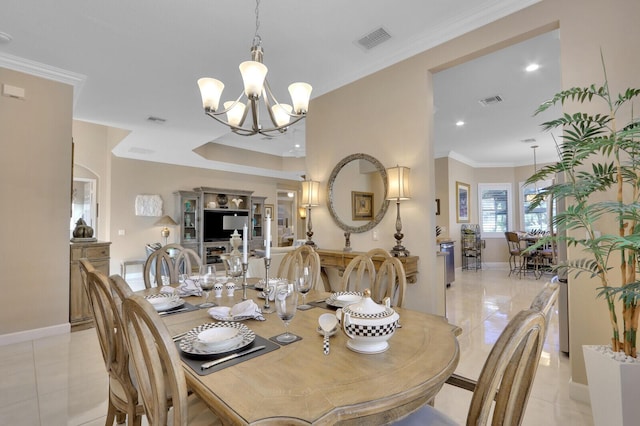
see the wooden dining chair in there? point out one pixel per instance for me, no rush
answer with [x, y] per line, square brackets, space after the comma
[544, 303]
[519, 259]
[158, 369]
[159, 264]
[123, 395]
[187, 261]
[390, 281]
[303, 256]
[506, 378]
[359, 274]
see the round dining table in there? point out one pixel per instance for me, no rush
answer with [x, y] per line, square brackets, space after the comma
[299, 384]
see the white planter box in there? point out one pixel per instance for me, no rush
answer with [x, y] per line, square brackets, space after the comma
[614, 387]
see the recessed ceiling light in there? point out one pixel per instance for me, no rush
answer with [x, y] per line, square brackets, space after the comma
[5, 38]
[532, 67]
[459, 123]
[297, 145]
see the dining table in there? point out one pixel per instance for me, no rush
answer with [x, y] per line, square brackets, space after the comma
[298, 384]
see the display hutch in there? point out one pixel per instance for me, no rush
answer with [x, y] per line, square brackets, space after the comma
[201, 214]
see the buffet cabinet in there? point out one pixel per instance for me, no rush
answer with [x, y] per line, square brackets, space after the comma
[98, 253]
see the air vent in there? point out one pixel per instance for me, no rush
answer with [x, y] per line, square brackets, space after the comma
[144, 151]
[156, 120]
[528, 140]
[374, 38]
[491, 100]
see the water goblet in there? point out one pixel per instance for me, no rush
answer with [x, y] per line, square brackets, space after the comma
[207, 275]
[286, 301]
[303, 284]
[235, 267]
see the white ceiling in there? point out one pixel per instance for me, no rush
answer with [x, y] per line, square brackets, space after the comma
[133, 59]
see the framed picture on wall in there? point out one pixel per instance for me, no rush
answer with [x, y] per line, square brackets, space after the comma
[361, 205]
[268, 210]
[463, 195]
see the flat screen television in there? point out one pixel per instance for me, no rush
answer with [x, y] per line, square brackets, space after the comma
[212, 225]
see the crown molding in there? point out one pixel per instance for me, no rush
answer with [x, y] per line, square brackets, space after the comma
[44, 71]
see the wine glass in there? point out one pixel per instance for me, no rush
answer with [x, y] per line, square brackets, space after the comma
[235, 267]
[207, 274]
[303, 284]
[286, 300]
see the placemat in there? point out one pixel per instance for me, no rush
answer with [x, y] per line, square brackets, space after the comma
[195, 363]
[187, 307]
[322, 304]
[274, 340]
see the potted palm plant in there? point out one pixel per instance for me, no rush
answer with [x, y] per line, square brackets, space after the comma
[599, 170]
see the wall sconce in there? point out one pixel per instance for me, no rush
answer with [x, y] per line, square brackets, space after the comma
[302, 212]
[165, 221]
[398, 191]
[310, 193]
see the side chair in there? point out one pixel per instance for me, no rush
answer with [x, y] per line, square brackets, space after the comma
[506, 378]
[123, 395]
[359, 274]
[158, 369]
[303, 256]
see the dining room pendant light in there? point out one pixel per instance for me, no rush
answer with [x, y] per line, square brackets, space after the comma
[399, 191]
[256, 86]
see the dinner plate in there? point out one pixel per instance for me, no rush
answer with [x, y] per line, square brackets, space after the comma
[260, 284]
[189, 343]
[343, 298]
[164, 301]
[219, 338]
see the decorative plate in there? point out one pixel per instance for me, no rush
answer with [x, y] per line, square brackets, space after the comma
[344, 298]
[189, 344]
[164, 302]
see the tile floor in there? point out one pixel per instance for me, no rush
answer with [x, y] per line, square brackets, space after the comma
[61, 381]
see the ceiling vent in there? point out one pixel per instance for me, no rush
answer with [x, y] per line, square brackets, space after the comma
[374, 38]
[528, 140]
[156, 120]
[491, 100]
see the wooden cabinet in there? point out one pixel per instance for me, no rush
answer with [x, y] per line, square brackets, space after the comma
[257, 220]
[188, 215]
[98, 253]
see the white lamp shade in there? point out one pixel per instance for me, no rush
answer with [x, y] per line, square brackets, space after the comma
[282, 114]
[300, 94]
[211, 91]
[398, 183]
[310, 193]
[253, 75]
[235, 114]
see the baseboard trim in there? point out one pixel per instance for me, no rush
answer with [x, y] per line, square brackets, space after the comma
[36, 333]
[579, 392]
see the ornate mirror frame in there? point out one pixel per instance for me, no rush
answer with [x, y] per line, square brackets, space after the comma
[330, 193]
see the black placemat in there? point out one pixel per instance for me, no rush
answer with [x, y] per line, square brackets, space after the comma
[196, 362]
[274, 339]
[322, 304]
[187, 307]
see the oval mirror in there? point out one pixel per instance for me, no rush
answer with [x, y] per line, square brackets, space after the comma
[357, 193]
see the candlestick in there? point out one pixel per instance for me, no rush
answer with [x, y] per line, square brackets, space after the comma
[245, 266]
[245, 231]
[266, 309]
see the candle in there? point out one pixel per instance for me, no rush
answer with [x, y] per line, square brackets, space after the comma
[245, 231]
[267, 241]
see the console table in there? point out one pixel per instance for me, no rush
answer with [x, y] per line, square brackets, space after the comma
[340, 259]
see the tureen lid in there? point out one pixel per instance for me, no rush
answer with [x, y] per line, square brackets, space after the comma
[366, 308]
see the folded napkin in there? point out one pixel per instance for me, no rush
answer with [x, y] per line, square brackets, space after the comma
[240, 311]
[187, 288]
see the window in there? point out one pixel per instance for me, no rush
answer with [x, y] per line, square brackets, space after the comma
[537, 219]
[495, 207]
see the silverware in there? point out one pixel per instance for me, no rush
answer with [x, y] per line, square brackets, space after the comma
[179, 336]
[173, 311]
[230, 357]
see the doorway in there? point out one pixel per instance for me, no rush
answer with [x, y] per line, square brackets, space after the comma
[286, 217]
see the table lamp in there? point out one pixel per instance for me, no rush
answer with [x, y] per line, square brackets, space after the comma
[165, 221]
[398, 190]
[310, 191]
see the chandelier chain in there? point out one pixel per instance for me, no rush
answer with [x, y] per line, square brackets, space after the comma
[256, 37]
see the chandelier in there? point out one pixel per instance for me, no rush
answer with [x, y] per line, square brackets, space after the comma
[256, 86]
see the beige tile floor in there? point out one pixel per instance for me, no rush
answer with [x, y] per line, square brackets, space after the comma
[61, 380]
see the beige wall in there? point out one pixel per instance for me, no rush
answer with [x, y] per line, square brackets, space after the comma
[361, 117]
[133, 177]
[35, 182]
